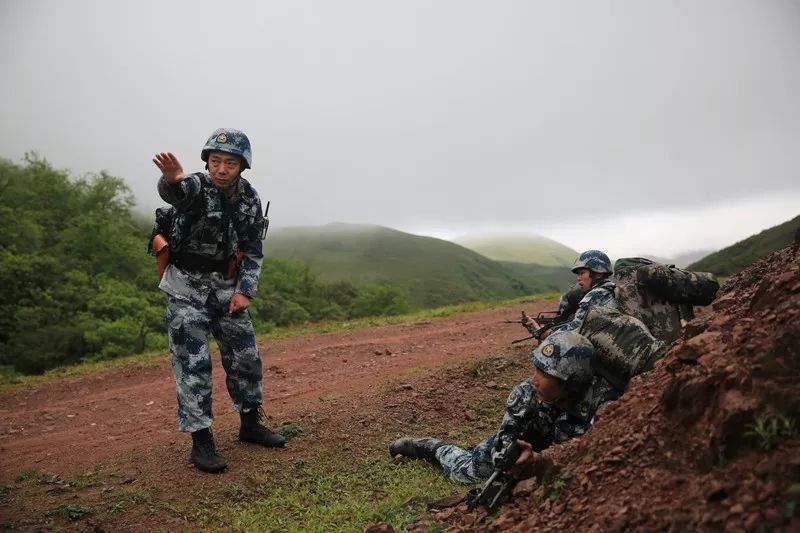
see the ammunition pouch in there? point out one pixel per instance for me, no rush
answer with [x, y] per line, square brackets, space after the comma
[199, 263]
[160, 248]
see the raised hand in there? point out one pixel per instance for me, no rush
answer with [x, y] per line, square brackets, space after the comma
[169, 166]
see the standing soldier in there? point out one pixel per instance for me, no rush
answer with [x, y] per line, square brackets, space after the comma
[213, 241]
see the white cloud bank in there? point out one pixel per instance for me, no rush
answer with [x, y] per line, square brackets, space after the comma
[665, 233]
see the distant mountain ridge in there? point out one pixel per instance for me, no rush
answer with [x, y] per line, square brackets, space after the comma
[435, 272]
[736, 257]
[528, 248]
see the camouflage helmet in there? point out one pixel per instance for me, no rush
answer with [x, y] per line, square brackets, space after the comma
[594, 260]
[565, 355]
[229, 141]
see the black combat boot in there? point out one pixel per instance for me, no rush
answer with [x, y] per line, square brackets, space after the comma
[253, 430]
[422, 448]
[204, 454]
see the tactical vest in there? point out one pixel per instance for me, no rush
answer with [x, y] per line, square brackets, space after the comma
[207, 234]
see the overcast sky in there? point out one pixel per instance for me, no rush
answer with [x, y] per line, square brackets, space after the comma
[631, 126]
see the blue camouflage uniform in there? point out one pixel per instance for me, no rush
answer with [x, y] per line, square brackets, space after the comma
[601, 295]
[210, 225]
[552, 426]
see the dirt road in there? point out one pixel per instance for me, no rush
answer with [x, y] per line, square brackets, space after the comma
[66, 426]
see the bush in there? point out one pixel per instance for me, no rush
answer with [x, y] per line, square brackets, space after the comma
[381, 300]
[35, 350]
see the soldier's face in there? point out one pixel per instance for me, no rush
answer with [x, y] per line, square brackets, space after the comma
[223, 169]
[584, 279]
[548, 388]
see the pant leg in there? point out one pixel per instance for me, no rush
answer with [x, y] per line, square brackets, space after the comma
[462, 466]
[188, 328]
[240, 357]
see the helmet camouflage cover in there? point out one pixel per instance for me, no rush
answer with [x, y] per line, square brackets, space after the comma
[230, 141]
[594, 260]
[565, 355]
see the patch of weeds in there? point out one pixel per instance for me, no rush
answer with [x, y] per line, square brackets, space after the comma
[435, 527]
[325, 496]
[122, 501]
[116, 507]
[235, 492]
[487, 408]
[480, 368]
[5, 493]
[558, 484]
[83, 480]
[769, 430]
[474, 368]
[33, 477]
[73, 511]
[289, 430]
[791, 507]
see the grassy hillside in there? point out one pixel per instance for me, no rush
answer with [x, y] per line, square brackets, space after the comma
[555, 278]
[732, 259]
[520, 249]
[436, 272]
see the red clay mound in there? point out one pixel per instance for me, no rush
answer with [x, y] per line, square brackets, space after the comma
[706, 441]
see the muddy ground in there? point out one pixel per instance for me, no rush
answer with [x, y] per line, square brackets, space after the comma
[707, 441]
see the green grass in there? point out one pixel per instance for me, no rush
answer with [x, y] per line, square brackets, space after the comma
[521, 249]
[123, 501]
[323, 498]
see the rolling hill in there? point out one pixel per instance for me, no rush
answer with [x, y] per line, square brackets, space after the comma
[736, 257]
[436, 272]
[520, 249]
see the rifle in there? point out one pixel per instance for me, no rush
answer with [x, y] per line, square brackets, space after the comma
[545, 319]
[500, 484]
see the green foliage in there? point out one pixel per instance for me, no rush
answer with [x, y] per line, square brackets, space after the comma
[737, 257]
[558, 484]
[381, 300]
[70, 261]
[790, 510]
[32, 476]
[78, 285]
[291, 294]
[289, 430]
[769, 430]
[73, 511]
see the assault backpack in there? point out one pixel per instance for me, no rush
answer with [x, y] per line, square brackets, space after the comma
[654, 293]
[625, 347]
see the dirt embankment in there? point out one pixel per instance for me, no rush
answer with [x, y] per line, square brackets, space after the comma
[706, 441]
